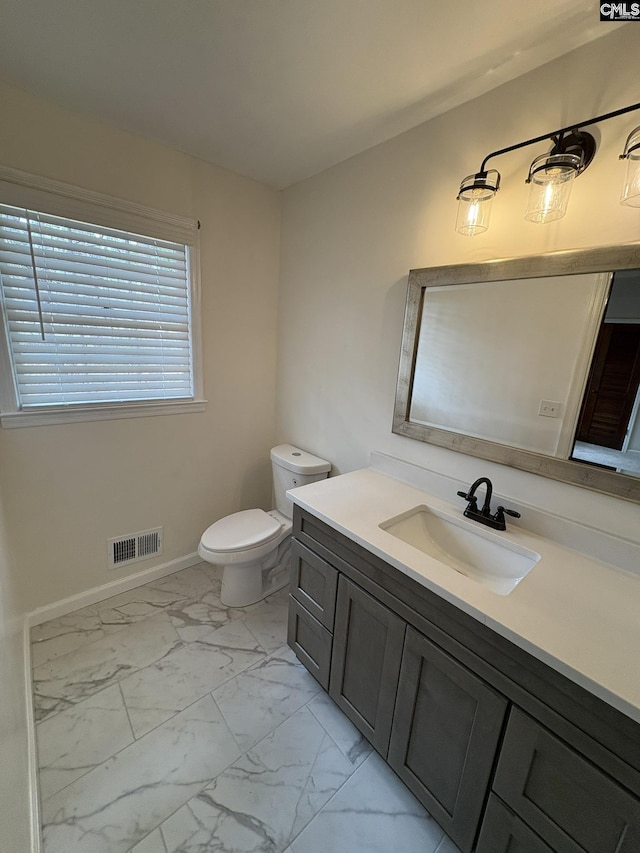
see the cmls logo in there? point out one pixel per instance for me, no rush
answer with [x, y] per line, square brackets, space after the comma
[620, 11]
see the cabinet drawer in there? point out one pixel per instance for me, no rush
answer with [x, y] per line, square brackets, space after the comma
[310, 641]
[313, 584]
[503, 832]
[564, 798]
[445, 735]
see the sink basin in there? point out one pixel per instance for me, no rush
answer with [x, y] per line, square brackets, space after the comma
[465, 546]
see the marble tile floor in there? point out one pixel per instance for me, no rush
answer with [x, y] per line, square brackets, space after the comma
[167, 723]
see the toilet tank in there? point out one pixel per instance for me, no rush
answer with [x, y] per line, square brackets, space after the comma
[293, 467]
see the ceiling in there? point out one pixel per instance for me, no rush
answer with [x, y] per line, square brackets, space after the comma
[279, 89]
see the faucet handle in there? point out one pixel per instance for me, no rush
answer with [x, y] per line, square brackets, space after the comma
[473, 503]
[502, 511]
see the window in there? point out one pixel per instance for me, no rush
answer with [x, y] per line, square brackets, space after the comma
[98, 321]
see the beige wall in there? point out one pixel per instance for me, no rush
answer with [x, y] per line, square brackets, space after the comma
[72, 487]
[14, 786]
[351, 234]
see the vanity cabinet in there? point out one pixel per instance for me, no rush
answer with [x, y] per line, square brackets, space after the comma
[446, 728]
[507, 754]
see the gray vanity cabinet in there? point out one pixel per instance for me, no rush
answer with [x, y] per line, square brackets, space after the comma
[446, 728]
[365, 663]
[507, 754]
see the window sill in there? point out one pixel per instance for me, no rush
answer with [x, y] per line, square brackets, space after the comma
[99, 412]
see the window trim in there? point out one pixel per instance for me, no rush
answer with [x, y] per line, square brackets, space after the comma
[62, 199]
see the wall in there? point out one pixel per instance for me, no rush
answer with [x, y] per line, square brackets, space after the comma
[14, 786]
[351, 233]
[74, 486]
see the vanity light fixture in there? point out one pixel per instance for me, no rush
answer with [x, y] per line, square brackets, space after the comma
[550, 176]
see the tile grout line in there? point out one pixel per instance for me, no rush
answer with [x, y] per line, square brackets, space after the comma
[253, 746]
[313, 764]
[331, 798]
[94, 610]
[267, 655]
[109, 757]
[180, 645]
[126, 710]
[176, 647]
[337, 745]
[244, 752]
[155, 728]
[110, 629]
[115, 754]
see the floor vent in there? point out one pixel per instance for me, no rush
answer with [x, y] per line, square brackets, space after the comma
[137, 546]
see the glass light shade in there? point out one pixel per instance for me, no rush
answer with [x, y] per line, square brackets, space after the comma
[551, 178]
[631, 189]
[474, 202]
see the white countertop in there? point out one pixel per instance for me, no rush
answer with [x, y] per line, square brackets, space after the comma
[578, 614]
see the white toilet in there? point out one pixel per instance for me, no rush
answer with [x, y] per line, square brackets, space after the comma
[253, 546]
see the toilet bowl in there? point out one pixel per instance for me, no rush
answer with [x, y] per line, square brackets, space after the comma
[249, 545]
[253, 546]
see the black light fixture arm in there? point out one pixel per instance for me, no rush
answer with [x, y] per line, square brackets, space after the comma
[556, 135]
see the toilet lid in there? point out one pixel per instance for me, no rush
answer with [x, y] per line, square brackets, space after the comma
[241, 530]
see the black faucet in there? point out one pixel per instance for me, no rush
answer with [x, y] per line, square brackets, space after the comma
[496, 521]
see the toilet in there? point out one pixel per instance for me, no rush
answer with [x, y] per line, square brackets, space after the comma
[253, 546]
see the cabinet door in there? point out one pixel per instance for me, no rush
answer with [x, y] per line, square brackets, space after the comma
[503, 832]
[574, 806]
[445, 736]
[313, 583]
[365, 663]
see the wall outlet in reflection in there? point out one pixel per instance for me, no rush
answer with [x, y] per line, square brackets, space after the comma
[549, 408]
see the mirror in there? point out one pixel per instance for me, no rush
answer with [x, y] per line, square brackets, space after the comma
[530, 362]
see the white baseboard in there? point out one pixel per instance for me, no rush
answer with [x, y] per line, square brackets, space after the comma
[99, 593]
[32, 752]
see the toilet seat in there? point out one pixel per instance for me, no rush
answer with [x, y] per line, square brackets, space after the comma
[241, 531]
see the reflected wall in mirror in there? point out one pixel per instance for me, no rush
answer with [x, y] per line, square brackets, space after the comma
[531, 362]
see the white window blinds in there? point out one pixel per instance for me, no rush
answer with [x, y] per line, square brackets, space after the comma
[93, 314]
